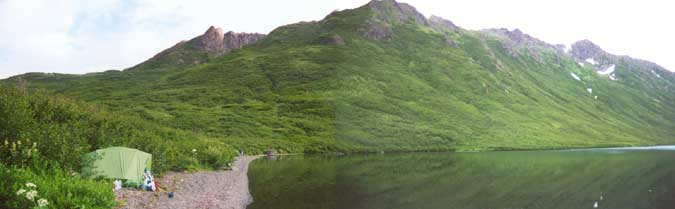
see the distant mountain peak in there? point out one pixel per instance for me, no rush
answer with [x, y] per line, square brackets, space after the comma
[517, 39]
[211, 41]
[440, 23]
[214, 40]
[517, 36]
[585, 49]
[401, 12]
[388, 13]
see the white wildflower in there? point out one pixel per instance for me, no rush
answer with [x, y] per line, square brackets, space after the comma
[21, 191]
[29, 185]
[31, 195]
[194, 150]
[42, 202]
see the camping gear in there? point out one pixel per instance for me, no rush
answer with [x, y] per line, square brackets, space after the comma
[120, 163]
[148, 181]
[118, 184]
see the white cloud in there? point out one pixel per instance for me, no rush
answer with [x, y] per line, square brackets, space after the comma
[78, 36]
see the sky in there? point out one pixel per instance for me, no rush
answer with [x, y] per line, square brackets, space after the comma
[81, 36]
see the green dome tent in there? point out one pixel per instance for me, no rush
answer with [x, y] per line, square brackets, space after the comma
[120, 163]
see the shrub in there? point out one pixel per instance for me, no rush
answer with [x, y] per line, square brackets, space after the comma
[56, 188]
[18, 153]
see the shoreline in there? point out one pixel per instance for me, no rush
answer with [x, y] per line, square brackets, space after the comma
[229, 189]
[226, 189]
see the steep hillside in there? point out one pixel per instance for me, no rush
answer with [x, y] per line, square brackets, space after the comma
[384, 77]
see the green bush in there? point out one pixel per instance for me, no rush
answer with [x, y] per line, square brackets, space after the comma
[63, 130]
[58, 188]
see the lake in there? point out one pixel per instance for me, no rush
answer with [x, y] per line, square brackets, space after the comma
[634, 178]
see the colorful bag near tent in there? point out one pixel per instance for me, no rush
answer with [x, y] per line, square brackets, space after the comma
[148, 181]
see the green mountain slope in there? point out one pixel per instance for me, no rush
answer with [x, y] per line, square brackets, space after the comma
[384, 77]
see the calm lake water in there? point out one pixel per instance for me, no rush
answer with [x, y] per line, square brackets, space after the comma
[614, 178]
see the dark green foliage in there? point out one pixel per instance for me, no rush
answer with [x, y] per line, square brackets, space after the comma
[59, 188]
[64, 130]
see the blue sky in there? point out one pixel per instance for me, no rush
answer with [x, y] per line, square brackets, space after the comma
[79, 36]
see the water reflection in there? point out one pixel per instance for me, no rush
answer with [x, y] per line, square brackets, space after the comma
[632, 179]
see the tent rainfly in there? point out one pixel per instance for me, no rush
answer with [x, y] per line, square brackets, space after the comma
[121, 163]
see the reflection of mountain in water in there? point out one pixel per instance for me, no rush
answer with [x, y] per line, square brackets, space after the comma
[632, 179]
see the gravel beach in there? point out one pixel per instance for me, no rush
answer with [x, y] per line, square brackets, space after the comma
[207, 189]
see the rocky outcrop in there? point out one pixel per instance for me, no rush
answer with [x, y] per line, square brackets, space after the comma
[217, 42]
[441, 24]
[519, 38]
[446, 27]
[214, 42]
[585, 50]
[516, 40]
[388, 13]
[401, 12]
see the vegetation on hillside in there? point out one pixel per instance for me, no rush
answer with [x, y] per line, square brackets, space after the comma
[421, 88]
[43, 139]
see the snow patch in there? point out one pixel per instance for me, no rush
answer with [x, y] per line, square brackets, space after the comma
[596, 97]
[575, 76]
[608, 71]
[592, 61]
[590, 90]
[567, 48]
[656, 74]
[581, 63]
[612, 76]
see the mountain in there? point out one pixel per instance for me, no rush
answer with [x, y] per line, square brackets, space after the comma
[214, 42]
[385, 77]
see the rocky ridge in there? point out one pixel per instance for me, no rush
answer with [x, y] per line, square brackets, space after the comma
[584, 51]
[214, 40]
[441, 24]
[387, 13]
[516, 39]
